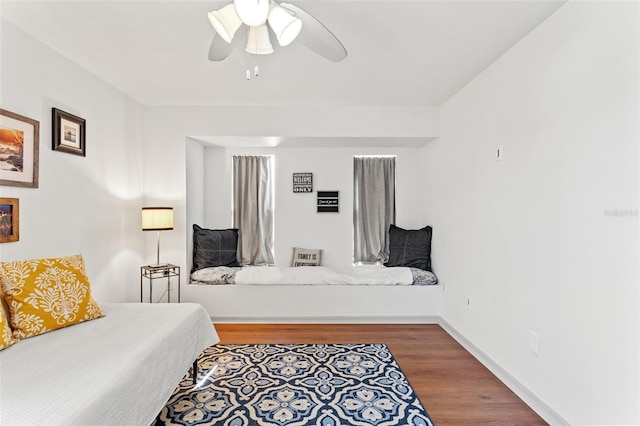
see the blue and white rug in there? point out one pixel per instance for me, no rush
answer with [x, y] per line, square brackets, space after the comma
[296, 385]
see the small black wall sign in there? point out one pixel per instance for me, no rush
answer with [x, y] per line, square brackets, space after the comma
[303, 182]
[328, 202]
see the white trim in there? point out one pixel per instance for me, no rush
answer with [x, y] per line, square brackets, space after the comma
[244, 319]
[536, 404]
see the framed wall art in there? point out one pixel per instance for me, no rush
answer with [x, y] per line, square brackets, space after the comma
[19, 144]
[303, 182]
[328, 202]
[9, 220]
[69, 133]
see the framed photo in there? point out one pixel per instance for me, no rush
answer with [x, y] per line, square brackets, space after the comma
[19, 142]
[69, 133]
[9, 220]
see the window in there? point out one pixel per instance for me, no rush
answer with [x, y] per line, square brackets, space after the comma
[374, 207]
[253, 208]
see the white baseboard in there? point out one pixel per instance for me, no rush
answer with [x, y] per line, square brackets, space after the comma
[414, 319]
[542, 409]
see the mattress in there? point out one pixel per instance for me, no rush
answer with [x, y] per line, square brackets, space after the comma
[116, 370]
[313, 275]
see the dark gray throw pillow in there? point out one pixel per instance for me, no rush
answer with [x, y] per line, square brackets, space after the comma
[214, 247]
[411, 248]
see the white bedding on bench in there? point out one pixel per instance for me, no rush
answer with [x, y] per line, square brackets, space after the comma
[308, 275]
[116, 370]
[367, 275]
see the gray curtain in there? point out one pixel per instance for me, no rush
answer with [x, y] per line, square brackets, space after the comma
[374, 207]
[253, 208]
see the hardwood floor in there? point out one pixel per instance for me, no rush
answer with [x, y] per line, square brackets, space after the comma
[454, 387]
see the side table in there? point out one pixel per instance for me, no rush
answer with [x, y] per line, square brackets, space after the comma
[154, 272]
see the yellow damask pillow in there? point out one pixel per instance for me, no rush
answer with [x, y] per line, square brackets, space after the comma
[47, 294]
[6, 339]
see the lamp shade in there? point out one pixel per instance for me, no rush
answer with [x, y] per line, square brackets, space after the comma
[225, 21]
[252, 12]
[157, 218]
[285, 26]
[258, 41]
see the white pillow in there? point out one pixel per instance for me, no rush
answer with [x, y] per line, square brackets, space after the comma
[305, 257]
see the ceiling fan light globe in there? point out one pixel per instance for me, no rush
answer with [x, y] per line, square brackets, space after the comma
[285, 26]
[225, 21]
[258, 42]
[252, 12]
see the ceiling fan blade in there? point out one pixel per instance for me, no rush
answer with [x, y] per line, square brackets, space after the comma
[316, 36]
[220, 49]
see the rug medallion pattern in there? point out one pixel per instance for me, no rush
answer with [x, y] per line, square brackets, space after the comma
[295, 385]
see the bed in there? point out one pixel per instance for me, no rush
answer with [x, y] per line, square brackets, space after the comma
[116, 370]
[316, 294]
[309, 291]
[313, 275]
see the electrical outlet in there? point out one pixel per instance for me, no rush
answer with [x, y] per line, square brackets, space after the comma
[534, 343]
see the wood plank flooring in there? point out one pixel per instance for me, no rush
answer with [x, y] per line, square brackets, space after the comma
[455, 388]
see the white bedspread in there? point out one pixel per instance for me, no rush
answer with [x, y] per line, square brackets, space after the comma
[363, 275]
[116, 370]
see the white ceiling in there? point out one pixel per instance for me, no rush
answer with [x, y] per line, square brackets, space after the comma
[400, 53]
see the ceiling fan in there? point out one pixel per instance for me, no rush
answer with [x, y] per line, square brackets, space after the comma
[262, 17]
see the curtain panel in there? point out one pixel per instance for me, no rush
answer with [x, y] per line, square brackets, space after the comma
[253, 208]
[374, 207]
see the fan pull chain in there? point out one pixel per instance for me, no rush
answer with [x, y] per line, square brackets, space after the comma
[256, 72]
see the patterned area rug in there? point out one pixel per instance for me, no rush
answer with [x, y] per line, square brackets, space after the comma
[296, 385]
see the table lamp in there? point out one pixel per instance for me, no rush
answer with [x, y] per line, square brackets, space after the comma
[157, 219]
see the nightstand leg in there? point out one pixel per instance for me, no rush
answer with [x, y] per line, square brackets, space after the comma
[195, 371]
[152, 272]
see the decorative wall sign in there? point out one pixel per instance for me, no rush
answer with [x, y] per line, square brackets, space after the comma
[303, 182]
[19, 143]
[69, 133]
[328, 202]
[9, 220]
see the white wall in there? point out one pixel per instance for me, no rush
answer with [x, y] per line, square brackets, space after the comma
[195, 191]
[534, 239]
[84, 205]
[296, 221]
